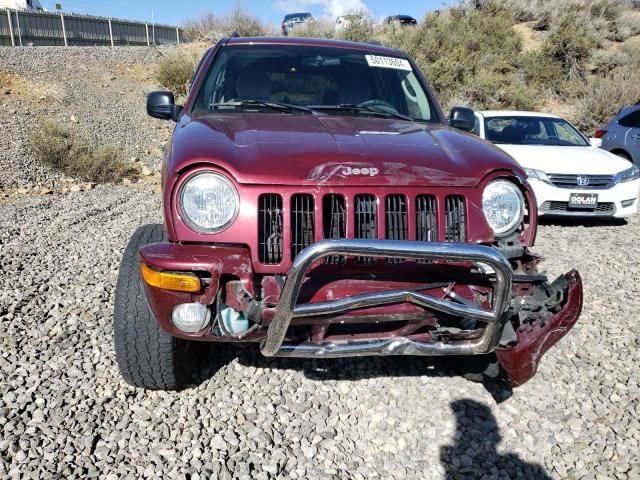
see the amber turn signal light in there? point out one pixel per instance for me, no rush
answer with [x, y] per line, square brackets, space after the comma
[179, 282]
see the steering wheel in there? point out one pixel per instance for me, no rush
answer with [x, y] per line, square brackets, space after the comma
[377, 102]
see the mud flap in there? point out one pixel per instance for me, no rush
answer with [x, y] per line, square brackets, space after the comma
[534, 339]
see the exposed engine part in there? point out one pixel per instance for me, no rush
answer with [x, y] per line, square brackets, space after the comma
[545, 300]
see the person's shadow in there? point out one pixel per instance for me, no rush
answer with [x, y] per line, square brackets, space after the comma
[474, 455]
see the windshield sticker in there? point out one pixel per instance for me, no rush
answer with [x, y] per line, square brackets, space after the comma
[388, 62]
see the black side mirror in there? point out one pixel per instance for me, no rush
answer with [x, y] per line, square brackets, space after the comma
[162, 105]
[463, 118]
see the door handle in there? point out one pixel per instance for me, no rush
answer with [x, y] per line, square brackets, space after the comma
[636, 136]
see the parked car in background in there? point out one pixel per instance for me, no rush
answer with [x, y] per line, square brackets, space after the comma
[402, 20]
[317, 204]
[569, 176]
[292, 20]
[622, 134]
[343, 21]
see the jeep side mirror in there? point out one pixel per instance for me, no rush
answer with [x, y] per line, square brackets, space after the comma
[162, 105]
[463, 118]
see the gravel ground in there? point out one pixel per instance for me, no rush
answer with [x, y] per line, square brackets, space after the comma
[100, 90]
[65, 413]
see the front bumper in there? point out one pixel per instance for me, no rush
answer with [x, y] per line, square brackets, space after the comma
[509, 293]
[619, 201]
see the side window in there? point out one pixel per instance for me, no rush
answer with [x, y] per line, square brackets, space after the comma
[476, 127]
[631, 121]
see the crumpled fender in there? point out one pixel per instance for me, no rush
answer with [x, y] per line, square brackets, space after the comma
[521, 362]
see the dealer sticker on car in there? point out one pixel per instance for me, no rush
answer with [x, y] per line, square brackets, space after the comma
[388, 62]
[583, 200]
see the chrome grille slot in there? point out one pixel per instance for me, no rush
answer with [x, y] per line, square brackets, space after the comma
[270, 229]
[426, 219]
[334, 221]
[455, 219]
[365, 220]
[302, 223]
[397, 225]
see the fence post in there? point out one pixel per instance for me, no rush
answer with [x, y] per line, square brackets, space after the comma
[19, 29]
[110, 33]
[13, 40]
[64, 30]
[146, 26]
[178, 35]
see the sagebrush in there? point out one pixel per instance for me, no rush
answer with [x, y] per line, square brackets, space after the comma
[65, 149]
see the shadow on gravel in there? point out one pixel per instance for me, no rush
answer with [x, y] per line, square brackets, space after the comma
[474, 454]
[216, 356]
[582, 222]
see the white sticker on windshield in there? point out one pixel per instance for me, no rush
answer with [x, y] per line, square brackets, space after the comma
[388, 62]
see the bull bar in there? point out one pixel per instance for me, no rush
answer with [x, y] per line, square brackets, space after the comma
[288, 307]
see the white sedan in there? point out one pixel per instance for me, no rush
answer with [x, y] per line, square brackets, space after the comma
[569, 176]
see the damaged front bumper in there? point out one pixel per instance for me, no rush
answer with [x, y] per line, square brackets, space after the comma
[520, 318]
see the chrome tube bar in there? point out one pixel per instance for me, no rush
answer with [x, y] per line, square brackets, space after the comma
[288, 308]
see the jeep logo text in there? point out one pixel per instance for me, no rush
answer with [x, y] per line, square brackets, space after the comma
[348, 171]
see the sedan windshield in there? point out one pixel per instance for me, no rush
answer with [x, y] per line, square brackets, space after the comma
[521, 130]
[323, 80]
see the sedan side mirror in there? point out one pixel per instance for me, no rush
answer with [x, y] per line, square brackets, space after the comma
[463, 118]
[162, 105]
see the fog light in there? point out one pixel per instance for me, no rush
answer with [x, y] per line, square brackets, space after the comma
[191, 317]
[628, 203]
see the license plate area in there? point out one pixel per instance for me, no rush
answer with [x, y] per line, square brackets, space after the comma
[583, 201]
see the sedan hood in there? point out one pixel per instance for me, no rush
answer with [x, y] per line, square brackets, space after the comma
[567, 160]
[285, 149]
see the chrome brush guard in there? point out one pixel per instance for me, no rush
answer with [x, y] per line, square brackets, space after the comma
[288, 307]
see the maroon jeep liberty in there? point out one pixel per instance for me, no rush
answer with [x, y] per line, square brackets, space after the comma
[318, 203]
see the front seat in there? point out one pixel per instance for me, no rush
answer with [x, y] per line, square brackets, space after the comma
[253, 86]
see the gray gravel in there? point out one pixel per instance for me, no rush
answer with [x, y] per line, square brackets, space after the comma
[102, 91]
[65, 413]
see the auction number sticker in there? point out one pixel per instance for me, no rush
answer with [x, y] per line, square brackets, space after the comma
[388, 62]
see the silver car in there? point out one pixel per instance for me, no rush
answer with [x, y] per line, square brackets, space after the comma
[622, 134]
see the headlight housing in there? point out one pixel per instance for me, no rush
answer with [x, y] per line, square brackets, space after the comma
[537, 174]
[503, 207]
[208, 202]
[629, 174]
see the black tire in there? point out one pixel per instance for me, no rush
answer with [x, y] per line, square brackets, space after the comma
[625, 155]
[147, 356]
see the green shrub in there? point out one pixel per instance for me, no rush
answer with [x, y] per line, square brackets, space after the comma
[212, 27]
[570, 42]
[64, 149]
[314, 28]
[174, 72]
[360, 27]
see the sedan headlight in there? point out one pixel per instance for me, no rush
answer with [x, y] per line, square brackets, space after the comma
[209, 202]
[627, 175]
[503, 206]
[537, 174]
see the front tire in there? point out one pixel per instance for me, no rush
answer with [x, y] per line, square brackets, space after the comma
[147, 356]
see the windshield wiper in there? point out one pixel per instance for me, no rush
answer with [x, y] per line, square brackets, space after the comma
[380, 110]
[281, 107]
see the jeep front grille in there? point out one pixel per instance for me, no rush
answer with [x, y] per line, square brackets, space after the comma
[365, 220]
[455, 219]
[302, 223]
[396, 221]
[270, 228]
[395, 216]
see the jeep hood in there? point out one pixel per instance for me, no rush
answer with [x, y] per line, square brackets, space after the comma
[300, 149]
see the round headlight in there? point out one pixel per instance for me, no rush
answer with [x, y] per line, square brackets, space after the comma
[209, 202]
[503, 206]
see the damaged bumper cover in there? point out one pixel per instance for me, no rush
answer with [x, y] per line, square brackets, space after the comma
[518, 324]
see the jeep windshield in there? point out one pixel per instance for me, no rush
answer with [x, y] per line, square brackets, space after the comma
[297, 80]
